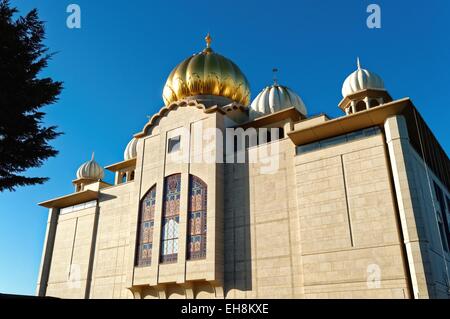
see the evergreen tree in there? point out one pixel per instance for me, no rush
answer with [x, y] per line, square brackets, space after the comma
[23, 137]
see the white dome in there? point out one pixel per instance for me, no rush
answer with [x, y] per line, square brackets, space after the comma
[275, 98]
[90, 170]
[131, 150]
[361, 79]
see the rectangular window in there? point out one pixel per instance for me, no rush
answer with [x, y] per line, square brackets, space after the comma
[336, 140]
[173, 144]
[448, 204]
[442, 233]
[333, 141]
[447, 214]
[75, 208]
[307, 148]
[444, 230]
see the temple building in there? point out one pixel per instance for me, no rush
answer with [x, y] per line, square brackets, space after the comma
[351, 207]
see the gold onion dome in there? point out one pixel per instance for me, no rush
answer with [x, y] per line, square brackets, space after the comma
[207, 73]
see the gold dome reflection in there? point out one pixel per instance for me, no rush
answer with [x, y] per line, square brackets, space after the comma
[207, 73]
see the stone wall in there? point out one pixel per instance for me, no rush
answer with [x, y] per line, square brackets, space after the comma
[348, 222]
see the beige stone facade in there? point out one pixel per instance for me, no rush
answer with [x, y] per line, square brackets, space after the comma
[320, 226]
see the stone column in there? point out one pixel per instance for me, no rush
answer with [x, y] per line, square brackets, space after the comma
[366, 100]
[47, 252]
[137, 292]
[134, 216]
[182, 226]
[397, 140]
[158, 222]
[189, 290]
[92, 253]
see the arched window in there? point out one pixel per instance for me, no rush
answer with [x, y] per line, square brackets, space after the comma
[374, 103]
[196, 241]
[122, 178]
[170, 219]
[146, 224]
[360, 106]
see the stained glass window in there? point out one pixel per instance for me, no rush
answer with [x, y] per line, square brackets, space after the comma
[146, 223]
[196, 240]
[170, 219]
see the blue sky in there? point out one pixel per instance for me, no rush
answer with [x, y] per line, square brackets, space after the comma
[115, 66]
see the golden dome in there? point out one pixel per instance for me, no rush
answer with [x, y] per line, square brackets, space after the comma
[207, 73]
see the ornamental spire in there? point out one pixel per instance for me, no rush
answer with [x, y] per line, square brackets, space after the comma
[274, 71]
[208, 40]
[358, 63]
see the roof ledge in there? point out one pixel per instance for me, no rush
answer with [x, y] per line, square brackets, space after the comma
[70, 200]
[121, 165]
[349, 123]
[287, 113]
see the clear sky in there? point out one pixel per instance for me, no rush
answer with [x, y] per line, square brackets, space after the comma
[115, 66]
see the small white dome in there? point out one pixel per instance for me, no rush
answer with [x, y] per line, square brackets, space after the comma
[361, 79]
[275, 98]
[131, 149]
[90, 170]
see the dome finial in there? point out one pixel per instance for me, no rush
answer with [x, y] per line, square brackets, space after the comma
[274, 71]
[358, 63]
[92, 157]
[208, 40]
